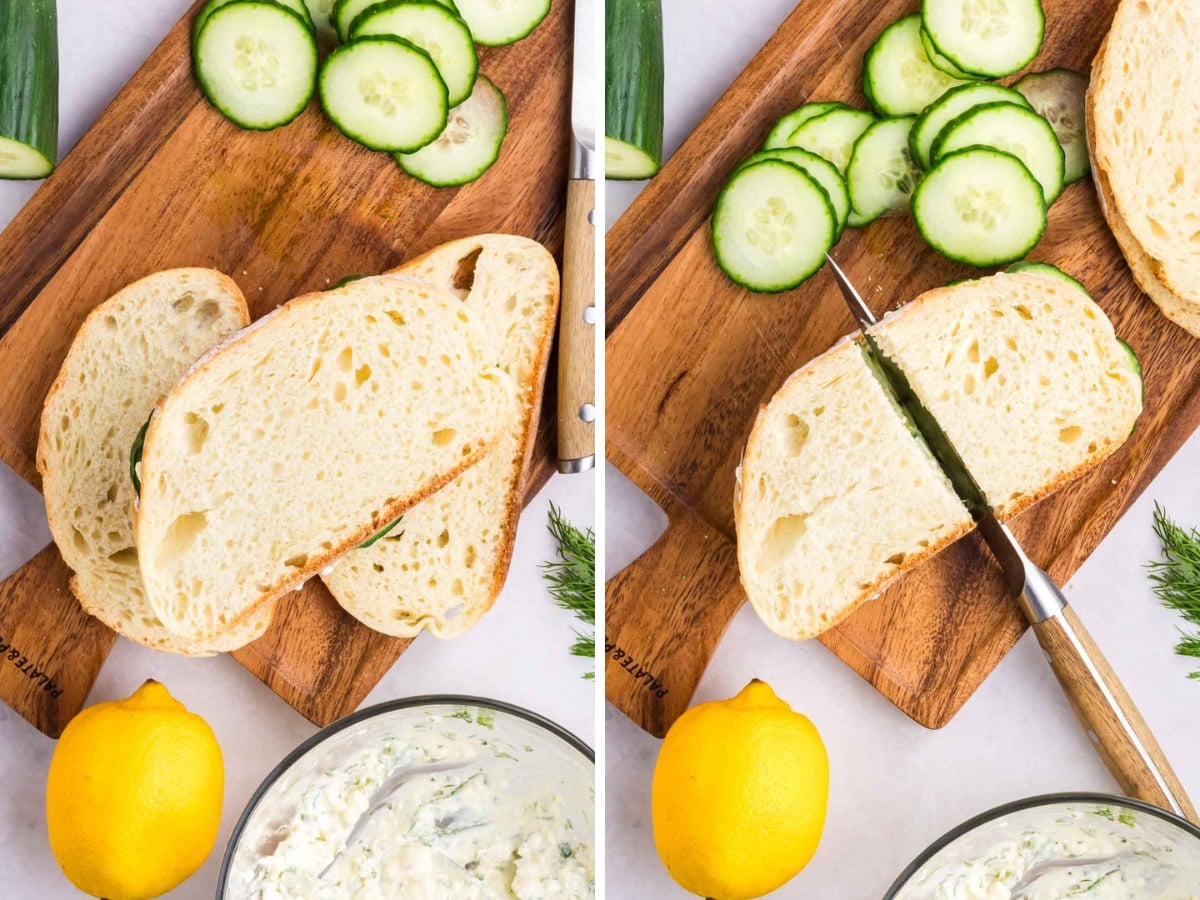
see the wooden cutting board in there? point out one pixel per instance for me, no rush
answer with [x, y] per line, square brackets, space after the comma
[691, 356]
[162, 180]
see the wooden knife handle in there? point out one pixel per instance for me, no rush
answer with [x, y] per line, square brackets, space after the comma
[1108, 714]
[661, 633]
[576, 334]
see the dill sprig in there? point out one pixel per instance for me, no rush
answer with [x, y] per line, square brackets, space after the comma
[571, 578]
[1176, 578]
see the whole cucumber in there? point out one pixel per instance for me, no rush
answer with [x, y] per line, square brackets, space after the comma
[28, 88]
[633, 88]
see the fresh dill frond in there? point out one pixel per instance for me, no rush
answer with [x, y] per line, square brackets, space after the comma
[571, 578]
[1176, 579]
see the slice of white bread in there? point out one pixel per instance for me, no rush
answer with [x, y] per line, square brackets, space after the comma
[1182, 312]
[1023, 373]
[836, 497]
[1143, 126]
[129, 351]
[302, 437]
[442, 568]
[1025, 376]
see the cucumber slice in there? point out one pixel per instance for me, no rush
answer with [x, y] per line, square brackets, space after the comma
[28, 88]
[1059, 97]
[980, 206]
[433, 28]
[1135, 366]
[832, 135]
[772, 226]
[1048, 271]
[633, 89]
[625, 162]
[256, 62]
[988, 38]
[135, 455]
[1134, 363]
[470, 143]
[940, 62]
[296, 6]
[320, 13]
[498, 22]
[384, 93]
[881, 175]
[342, 282]
[787, 124]
[1013, 129]
[346, 12]
[821, 170]
[898, 78]
[949, 107]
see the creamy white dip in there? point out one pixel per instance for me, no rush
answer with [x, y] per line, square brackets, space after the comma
[465, 833]
[1058, 852]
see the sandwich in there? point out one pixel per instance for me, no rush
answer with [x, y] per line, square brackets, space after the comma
[837, 495]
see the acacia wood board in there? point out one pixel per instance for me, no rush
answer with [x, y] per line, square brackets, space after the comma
[162, 180]
[691, 357]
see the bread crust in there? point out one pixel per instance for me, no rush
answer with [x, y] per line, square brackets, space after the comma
[167, 642]
[847, 343]
[1013, 508]
[316, 562]
[1148, 273]
[531, 412]
[531, 403]
[1003, 511]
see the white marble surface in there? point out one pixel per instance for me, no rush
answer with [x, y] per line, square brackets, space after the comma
[518, 652]
[895, 785]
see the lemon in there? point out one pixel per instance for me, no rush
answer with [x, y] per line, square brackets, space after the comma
[133, 799]
[739, 795]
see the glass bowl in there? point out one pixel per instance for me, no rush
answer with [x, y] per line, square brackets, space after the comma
[1117, 847]
[546, 756]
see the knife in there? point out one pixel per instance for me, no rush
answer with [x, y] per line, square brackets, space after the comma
[1103, 707]
[577, 313]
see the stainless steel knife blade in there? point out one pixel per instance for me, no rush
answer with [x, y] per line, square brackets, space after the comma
[1040, 597]
[1101, 703]
[583, 91]
[897, 383]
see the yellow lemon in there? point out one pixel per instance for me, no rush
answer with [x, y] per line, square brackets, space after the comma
[133, 800]
[739, 795]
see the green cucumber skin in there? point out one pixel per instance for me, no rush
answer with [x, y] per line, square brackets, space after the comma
[473, 176]
[795, 282]
[388, 5]
[222, 108]
[1030, 80]
[633, 65]
[361, 139]
[208, 9]
[1136, 365]
[957, 257]
[1046, 270]
[650, 171]
[135, 454]
[510, 39]
[975, 73]
[29, 77]
[374, 7]
[787, 124]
